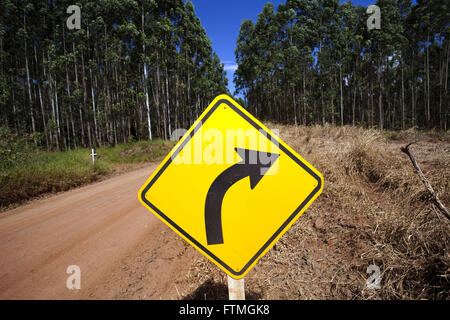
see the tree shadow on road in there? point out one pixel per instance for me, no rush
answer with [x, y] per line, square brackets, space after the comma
[211, 290]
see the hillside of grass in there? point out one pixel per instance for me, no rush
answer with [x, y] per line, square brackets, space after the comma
[27, 172]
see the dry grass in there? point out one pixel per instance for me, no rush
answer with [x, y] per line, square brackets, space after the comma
[374, 210]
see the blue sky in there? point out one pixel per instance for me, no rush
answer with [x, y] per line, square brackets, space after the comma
[222, 20]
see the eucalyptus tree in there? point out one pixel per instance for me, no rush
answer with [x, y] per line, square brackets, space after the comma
[135, 69]
[312, 61]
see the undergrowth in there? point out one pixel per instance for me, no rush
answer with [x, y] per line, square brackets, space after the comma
[27, 172]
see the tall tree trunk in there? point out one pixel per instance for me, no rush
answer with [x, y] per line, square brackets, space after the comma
[97, 142]
[177, 99]
[77, 83]
[41, 102]
[30, 101]
[403, 99]
[446, 86]
[380, 94]
[413, 100]
[69, 98]
[372, 105]
[304, 97]
[156, 98]
[295, 106]
[147, 100]
[168, 102]
[164, 115]
[428, 81]
[54, 114]
[83, 80]
[57, 110]
[342, 96]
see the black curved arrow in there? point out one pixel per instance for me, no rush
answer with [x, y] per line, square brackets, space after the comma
[254, 164]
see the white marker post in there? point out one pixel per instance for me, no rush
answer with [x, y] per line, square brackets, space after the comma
[93, 155]
[236, 289]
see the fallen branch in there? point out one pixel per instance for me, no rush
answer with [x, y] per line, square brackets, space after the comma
[434, 197]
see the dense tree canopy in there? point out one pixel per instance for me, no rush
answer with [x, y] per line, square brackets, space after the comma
[315, 61]
[136, 69]
[141, 68]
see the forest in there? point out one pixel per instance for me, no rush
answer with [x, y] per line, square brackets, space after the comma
[134, 70]
[316, 62]
[137, 70]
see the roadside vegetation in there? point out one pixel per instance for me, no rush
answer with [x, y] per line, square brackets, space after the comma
[27, 172]
[374, 210]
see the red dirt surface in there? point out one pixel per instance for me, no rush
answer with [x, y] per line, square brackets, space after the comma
[103, 229]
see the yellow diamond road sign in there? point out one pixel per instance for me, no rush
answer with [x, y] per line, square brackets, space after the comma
[231, 187]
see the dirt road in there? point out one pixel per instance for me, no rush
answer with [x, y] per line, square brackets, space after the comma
[123, 251]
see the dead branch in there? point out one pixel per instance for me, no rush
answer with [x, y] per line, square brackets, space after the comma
[434, 197]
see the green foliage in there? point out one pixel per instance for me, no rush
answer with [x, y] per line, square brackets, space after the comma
[131, 60]
[14, 149]
[315, 61]
[34, 172]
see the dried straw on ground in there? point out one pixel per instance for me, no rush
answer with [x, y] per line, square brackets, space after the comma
[374, 210]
